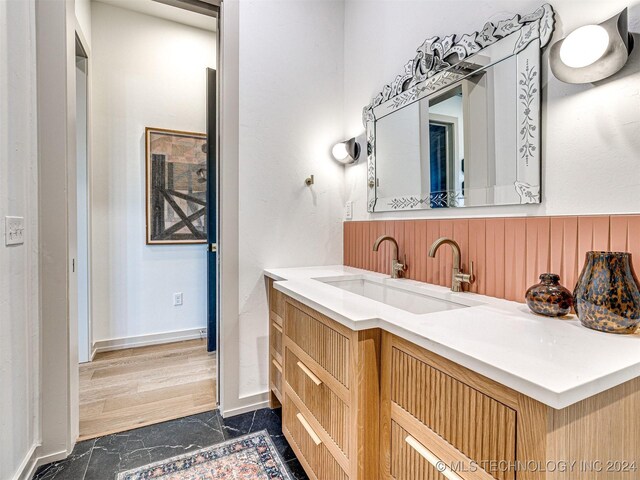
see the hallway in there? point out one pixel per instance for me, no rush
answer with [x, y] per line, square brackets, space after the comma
[125, 389]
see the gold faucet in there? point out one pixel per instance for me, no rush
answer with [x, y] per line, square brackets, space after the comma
[458, 277]
[397, 268]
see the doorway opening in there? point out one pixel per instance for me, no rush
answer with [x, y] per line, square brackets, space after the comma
[147, 214]
[80, 265]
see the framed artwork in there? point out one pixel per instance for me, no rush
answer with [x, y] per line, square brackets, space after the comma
[176, 193]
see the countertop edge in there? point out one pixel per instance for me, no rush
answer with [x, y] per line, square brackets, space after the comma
[553, 399]
[273, 276]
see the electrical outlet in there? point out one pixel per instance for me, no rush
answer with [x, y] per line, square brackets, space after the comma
[348, 210]
[14, 230]
[177, 299]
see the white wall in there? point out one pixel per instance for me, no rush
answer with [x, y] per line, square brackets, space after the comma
[591, 133]
[147, 72]
[290, 67]
[291, 71]
[19, 340]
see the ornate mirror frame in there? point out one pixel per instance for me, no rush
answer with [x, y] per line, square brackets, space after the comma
[439, 63]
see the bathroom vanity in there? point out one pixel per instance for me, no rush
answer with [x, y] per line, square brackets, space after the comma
[398, 379]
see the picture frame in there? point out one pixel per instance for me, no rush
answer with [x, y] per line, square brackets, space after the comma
[176, 187]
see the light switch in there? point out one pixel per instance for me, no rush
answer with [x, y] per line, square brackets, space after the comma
[177, 299]
[348, 210]
[14, 230]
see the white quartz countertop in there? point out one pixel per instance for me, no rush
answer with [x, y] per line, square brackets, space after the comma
[555, 361]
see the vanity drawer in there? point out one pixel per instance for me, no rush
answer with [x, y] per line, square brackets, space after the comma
[320, 338]
[276, 333]
[276, 301]
[309, 445]
[407, 463]
[276, 377]
[422, 455]
[331, 412]
[476, 424]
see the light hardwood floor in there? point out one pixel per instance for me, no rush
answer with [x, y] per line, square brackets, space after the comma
[131, 388]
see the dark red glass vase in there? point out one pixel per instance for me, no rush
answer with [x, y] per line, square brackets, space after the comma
[549, 297]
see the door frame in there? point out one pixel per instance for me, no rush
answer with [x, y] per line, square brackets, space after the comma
[58, 403]
[84, 45]
[234, 399]
[55, 72]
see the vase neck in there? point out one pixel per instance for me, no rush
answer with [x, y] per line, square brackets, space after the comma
[624, 256]
[612, 260]
[550, 279]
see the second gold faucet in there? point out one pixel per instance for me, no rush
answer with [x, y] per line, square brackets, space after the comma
[458, 277]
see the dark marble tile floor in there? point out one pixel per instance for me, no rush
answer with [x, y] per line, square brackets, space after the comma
[103, 458]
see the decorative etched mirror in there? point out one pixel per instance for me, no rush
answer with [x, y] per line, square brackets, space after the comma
[461, 126]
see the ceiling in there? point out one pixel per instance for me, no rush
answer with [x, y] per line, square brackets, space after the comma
[178, 15]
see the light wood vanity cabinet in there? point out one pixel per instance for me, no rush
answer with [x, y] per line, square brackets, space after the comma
[434, 409]
[276, 325]
[369, 405]
[331, 395]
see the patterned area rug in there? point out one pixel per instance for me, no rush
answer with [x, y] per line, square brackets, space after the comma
[250, 457]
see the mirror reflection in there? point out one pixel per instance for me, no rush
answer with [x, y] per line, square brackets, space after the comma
[454, 148]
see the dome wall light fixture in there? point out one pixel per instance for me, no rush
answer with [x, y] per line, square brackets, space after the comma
[346, 152]
[592, 52]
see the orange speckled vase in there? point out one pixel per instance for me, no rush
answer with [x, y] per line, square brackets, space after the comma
[607, 296]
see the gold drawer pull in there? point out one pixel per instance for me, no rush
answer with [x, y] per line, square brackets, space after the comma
[277, 365]
[307, 427]
[442, 467]
[309, 374]
[277, 327]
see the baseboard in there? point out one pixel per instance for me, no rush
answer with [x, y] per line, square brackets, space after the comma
[32, 462]
[244, 409]
[52, 457]
[28, 466]
[145, 340]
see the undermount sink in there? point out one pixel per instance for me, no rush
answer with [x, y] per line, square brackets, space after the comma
[382, 290]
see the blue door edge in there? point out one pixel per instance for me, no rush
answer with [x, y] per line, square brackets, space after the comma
[212, 212]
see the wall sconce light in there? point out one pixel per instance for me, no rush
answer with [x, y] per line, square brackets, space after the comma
[346, 152]
[592, 52]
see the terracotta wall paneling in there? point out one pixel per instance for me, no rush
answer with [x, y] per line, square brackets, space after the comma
[509, 254]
